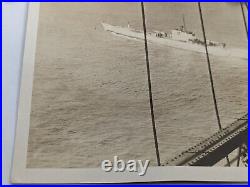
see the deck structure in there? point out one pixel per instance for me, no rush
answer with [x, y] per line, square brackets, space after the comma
[216, 147]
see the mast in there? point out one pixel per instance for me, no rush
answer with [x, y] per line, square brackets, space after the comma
[184, 23]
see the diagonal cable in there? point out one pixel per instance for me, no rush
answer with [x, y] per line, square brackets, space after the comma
[210, 72]
[149, 86]
[244, 18]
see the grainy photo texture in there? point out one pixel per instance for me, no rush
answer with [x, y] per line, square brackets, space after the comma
[164, 82]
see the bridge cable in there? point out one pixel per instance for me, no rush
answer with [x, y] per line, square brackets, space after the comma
[149, 86]
[246, 5]
[245, 24]
[210, 72]
[244, 17]
[239, 155]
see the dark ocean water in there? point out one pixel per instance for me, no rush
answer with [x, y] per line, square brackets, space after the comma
[90, 94]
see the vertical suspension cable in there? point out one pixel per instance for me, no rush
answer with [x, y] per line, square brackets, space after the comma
[246, 5]
[210, 73]
[149, 86]
[244, 17]
[239, 155]
[245, 24]
[209, 68]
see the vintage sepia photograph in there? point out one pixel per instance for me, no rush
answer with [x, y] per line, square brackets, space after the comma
[160, 84]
